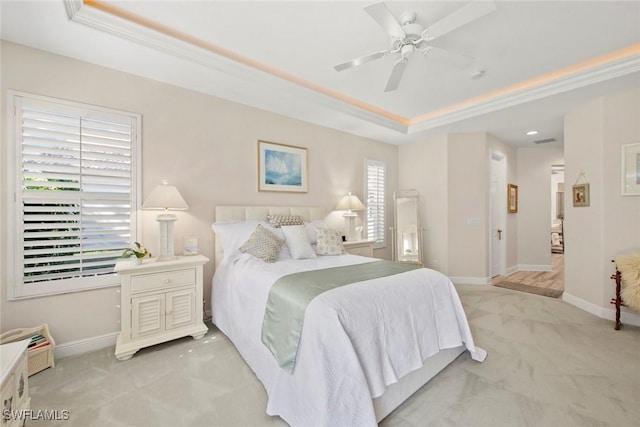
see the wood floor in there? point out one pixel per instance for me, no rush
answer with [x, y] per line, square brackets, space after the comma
[544, 279]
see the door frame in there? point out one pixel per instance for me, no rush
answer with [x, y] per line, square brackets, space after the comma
[499, 201]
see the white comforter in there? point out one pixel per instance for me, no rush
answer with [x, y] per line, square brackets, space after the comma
[356, 339]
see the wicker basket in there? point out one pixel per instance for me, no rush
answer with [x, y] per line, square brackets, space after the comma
[39, 358]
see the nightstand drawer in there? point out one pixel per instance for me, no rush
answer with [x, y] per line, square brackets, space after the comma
[148, 282]
[359, 247]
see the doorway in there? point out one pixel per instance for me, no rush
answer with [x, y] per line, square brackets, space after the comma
[497, 214]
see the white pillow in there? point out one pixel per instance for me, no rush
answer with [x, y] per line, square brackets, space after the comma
[298, 242]
[233, 234]
[312, 229]
[329, 242]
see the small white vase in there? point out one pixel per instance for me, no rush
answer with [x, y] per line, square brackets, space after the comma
[136, 260]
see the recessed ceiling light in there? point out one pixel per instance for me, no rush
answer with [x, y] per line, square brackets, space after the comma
[532, 132]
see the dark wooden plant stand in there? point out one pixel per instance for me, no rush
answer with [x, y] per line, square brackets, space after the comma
[617, 301]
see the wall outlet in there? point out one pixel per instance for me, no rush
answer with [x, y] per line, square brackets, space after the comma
[474, 221]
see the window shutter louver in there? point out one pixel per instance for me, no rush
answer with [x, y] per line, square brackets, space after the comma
[76, 203]
[375, 192]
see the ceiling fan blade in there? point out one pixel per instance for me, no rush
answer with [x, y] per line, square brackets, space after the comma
[362, 60]
[382, 15]
[396, 75]
[466, 14]
[457, 59]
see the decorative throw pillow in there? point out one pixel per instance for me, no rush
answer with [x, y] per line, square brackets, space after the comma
[278, 221]
[263, 244]
[232, 234]
[298, 242]
[329, 242]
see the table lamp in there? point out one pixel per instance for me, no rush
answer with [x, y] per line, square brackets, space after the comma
[350, 203]
[166, 198]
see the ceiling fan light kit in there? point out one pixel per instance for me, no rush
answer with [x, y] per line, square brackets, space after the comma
[410, 36]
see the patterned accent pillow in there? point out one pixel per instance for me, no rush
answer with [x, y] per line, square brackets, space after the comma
[329, 242]
[263, 244]
[278, 221]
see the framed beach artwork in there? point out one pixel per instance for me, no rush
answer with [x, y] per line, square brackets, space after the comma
[512, 198]
[631, 169]
[282, 168]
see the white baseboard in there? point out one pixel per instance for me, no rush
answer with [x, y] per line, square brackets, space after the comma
[86, 345]
[511, 269]
[470, 280]
[603, 313]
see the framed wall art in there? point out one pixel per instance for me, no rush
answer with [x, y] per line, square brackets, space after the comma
[581, 195]
[512, 198]
[631, 169]
[282, 168]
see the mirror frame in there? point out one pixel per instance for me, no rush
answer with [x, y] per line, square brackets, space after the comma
[395, 230]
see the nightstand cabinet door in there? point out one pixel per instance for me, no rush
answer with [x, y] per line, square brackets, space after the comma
[147, 315]
[14, 387]
[8, 400]
[180, 308]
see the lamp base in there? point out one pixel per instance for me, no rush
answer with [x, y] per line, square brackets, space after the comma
[166, 221]
[350, 225]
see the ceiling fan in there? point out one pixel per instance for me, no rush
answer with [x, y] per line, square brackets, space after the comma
[407, 36]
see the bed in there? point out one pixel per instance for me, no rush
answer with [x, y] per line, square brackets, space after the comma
[344, 374]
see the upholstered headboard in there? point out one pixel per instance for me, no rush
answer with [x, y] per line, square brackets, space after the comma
[259, 213]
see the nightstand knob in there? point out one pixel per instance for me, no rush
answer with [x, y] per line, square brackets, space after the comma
[166, 281]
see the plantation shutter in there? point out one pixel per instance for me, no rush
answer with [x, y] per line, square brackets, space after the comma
[375, 193]
[76, 201]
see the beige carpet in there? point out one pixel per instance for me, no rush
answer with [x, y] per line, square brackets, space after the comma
[547, 292]
[549, 365]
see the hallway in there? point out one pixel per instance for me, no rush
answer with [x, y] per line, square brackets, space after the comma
[543, 279]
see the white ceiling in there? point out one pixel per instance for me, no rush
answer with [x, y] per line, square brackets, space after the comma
[540, 58]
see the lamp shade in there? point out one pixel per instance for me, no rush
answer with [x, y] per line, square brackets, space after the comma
[350, 202]
[166, 197]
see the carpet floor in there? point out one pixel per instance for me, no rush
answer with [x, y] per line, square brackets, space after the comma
[547, 292]
[549, 364]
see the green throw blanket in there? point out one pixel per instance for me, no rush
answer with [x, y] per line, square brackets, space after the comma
[291, 294]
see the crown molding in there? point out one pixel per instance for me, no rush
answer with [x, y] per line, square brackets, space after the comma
[596, 74]
[310, 102]
[265, 78]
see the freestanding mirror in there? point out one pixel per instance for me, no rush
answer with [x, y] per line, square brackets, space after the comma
[407, 233]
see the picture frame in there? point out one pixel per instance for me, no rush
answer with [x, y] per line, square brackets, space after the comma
[512, 198]
[580, 195]
[630, 168]
[282, 168]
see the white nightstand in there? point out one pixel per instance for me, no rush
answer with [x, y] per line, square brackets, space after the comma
[161, 301]
[15, 388]
[359, 247]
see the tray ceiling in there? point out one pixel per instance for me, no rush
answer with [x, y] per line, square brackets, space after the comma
[539, 58]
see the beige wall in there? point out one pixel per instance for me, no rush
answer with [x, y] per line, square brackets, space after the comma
[594, 134]
[424, 168]
[534, 204]
[451, 172]
[510, 155]
[204, 145]
[468, 201]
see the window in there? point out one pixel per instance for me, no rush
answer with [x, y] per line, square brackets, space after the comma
[75, 177]
[375, 194]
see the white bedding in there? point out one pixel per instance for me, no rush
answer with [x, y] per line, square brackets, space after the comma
[356, 339]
